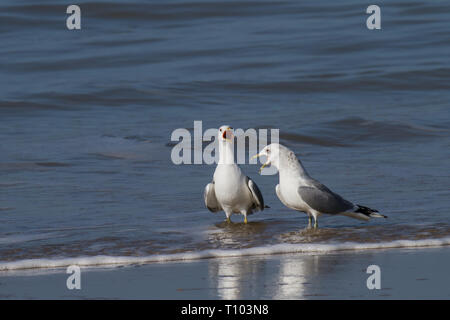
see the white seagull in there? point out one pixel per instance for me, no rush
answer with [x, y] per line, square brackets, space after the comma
[230, 190]
[298, 191]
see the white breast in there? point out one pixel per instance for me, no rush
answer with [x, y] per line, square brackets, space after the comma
[288, 189]
[231, 188]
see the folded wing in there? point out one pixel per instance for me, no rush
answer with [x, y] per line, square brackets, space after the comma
[323, 200]
[258, 201]
[209, 195]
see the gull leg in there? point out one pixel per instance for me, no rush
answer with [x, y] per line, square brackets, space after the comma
[244, 212]
[228, 216]
[309, 222]
[316, 218]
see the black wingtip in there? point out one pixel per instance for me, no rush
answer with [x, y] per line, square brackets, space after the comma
[370, 212]
[365, 210]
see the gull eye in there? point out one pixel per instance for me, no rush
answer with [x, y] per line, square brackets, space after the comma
[268, 150]
[220, 130]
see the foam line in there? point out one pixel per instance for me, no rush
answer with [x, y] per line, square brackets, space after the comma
[93, 261]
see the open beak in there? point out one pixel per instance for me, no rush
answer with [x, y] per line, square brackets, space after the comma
[264, 165]
[228, 134]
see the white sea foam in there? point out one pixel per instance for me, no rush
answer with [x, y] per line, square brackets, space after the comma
[307, 248]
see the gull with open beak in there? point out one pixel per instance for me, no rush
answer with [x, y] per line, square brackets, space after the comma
[298, 191]
[230, 190]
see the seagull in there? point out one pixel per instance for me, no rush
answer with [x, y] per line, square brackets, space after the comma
[230, 190]
[298, 191]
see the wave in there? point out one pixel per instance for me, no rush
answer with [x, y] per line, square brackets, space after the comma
[320, 141]
[359, 129]
[23, 104]
[175, 11]
[353, 130]
[321, 248]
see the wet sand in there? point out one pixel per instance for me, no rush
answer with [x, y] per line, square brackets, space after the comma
[405, 274]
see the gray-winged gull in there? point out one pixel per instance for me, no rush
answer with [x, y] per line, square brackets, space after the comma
[298, 191]
[230, 190]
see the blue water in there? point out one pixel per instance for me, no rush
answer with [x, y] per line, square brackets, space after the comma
[86, 118]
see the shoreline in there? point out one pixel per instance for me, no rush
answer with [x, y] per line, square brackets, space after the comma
[278, 249]
[405, 274]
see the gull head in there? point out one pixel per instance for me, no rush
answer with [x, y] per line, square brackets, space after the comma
[225, 134]
[272, 153]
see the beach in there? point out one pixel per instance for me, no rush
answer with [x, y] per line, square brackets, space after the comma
[405, 274]
[88, 127]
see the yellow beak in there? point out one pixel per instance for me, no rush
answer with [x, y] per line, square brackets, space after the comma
[264, 165]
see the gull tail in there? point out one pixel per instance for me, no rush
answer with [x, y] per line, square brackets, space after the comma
[372, 213]
[363, 213]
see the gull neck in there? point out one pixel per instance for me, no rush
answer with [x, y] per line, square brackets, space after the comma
[226, 152]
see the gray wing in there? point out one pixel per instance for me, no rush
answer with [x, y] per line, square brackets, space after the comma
[323, 200]
[258, 201]
[209, 195]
